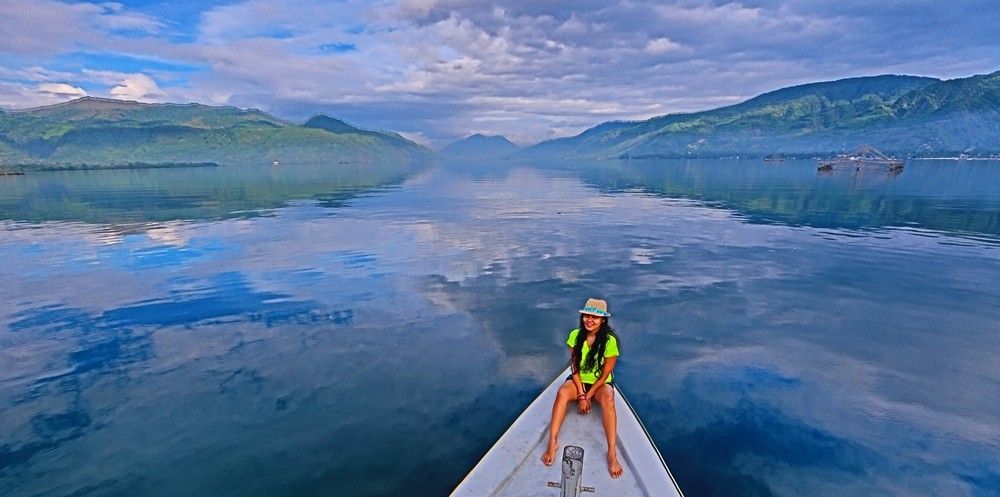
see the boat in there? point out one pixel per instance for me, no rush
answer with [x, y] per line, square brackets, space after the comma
[866, 156]
[513, 467]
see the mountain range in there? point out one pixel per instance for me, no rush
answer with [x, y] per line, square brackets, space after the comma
[907, 115]
[92, 130]
[899, 114]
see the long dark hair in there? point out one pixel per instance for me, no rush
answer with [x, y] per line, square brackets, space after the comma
[595, 357]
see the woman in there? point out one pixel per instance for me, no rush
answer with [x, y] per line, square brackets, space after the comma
[593, 352]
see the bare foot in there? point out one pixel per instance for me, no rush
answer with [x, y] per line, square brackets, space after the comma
[613, 467]
[550, 454]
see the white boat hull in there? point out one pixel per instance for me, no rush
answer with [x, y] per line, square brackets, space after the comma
[513, 467]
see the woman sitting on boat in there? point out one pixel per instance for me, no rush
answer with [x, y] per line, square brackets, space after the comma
[593, 352]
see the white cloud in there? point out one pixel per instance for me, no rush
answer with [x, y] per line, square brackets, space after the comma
[35, 73]
[20, 95]
[61, 90]
[415, 136]
[130, 22]
[110, 78]
[412, 8]
[545, 106]
[662, 45]
[37, 27]
[137, 87]
[550, 68]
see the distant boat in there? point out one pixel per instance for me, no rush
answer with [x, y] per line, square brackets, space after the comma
[275, 162]
[513, 467]
[774, 158]
[865, 156]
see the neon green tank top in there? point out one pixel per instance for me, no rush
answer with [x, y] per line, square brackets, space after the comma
[611, 350]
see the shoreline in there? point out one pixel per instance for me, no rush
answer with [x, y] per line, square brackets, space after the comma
[957, 158]
[21, 169]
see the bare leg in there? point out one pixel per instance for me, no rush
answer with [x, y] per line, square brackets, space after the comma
[566, 394]
[605, 397]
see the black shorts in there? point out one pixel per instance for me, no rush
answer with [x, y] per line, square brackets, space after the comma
[586, 386]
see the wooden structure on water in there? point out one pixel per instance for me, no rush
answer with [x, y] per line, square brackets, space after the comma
[866, 156]
[10, 172]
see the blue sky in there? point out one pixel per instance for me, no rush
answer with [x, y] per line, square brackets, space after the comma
[437, 71]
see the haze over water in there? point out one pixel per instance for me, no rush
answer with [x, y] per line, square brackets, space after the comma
[301, 331]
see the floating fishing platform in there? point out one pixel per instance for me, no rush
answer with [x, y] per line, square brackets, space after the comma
[10, 172]
[866, 156]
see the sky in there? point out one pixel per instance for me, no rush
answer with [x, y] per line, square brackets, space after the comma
[437, 71]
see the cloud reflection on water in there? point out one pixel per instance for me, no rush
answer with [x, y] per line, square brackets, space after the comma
[766, 359]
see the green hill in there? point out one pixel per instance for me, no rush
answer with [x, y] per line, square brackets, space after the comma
[103, 131]
[900, 114]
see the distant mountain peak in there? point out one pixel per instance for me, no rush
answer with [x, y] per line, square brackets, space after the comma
[100, 104]
[89, 103]
[479, 145]
[331, 124]
[91, 98]
[482, 138]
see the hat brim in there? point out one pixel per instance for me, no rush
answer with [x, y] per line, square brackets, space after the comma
[593, 311]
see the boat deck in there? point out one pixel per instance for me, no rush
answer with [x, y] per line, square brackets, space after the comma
[513, 466]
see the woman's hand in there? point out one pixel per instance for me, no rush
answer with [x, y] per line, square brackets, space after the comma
[583, 405]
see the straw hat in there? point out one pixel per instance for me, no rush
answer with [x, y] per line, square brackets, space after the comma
[596, 307]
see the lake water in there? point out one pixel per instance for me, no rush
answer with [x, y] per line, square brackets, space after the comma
[309, 331]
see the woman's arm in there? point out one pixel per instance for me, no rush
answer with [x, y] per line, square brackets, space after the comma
[609, 365]
[582, 401]
[575, 369]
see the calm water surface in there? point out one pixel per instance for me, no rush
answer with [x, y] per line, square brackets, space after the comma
[319, 331]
